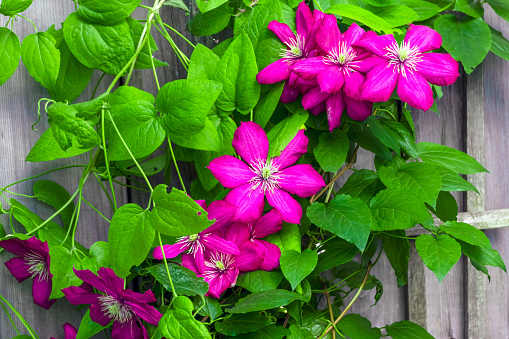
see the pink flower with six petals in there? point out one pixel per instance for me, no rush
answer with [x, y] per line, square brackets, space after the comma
[259, 176]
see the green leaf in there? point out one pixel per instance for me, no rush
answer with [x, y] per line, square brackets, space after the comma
[406, 140]
[237, 72]
[349, 218]
[467, 40]
[280, 135]
[269, 332]
[201, 160]
[424, 9]
[212, 22]
[205, 140]
[382, 3]
[450, 158]
[41, 58]
[55, 195]
[286, 239]
[221, 48]
[407, 330]
[298, 332]
[419, 178]
[386, 135]
[13, 7]
[363, 184]
[439, 253]
[177, 4]
[47, 149]
[367, 140]
[130, 237]
[501, 7]
[499, 45]
[466, 233]
[107, 48]
[470, 7]
[207, 5]
[296, 266]
[397, 250]
[357, 327]
[482, 256]
[185, 104]
[88, 327]
[176, 214]
[362, 16]
[451, 181]
[107, 12]
[265, 300]
[137, 122]
[446, 207]
[179, 323]
[241, 323]
[334, 253]
[69, 129]
[395, 15]
[267, 104]
[73, 76]
[144, 59]
[149, 167]
[10, 52]
[61, 267]
[203, 63]
[395, 209]
[99, 256]
[331, 150]
[211, 308]
[2, 231]
[184, 280]
[258, 281]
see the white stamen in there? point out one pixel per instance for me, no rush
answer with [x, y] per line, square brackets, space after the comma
[403, 57]
[38, 265]
[219, 263]
[193, 241]
[295, 49]
[266, 175]
[344, 56]
[115, 309]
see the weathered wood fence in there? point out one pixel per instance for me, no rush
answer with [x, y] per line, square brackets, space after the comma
[474, 118]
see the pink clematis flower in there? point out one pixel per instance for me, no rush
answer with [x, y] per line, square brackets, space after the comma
[299, 46]
[208, 239]
[260, 177]
[338, 73]
[408, 66]
[32, 261]
[70, 331]
[124, 307]
[249, 235]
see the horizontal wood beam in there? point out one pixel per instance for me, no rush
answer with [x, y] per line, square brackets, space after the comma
[483, 220]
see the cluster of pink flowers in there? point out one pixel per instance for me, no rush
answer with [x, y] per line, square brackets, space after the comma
[233, 244]
[334, 70]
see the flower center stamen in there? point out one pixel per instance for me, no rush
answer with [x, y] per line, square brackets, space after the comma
[403, 57]
[295, 50]
[343, 55]
[266, 175]
[193, 237]
[38, 265]
[115, 309]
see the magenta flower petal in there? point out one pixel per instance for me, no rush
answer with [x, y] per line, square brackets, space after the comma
[416, 91]
[238, 233]
[302, 180]
[251, 143]
[97, 315]
[304, 21]
[423, 38]
[77, 295]
[128, 330]
[335, 106]
[199, 258]
[218, 285]
[314, 97]
[170, 251]
[70, 331]
[438, 68]
[320, 108]
[289, 94]
[202, 203]
[367, 64]
[230, 171]
[250, 258]
[41, 290]
[249, 202]
[272, 255]
[142, 310]
[358, 110]
[15, 246]
[270, 223]
[282, 31]
[18, 268]
[353, 34]
[289, 208]
[328, 36]
[379, 83]
[331, 79]
[297, 147]
[353, 82]
[223, 212]
[377, 45]
[275, 72]
[309, 68]
[189, 263]
[214, 243]
[105, 281]
[232, 276]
